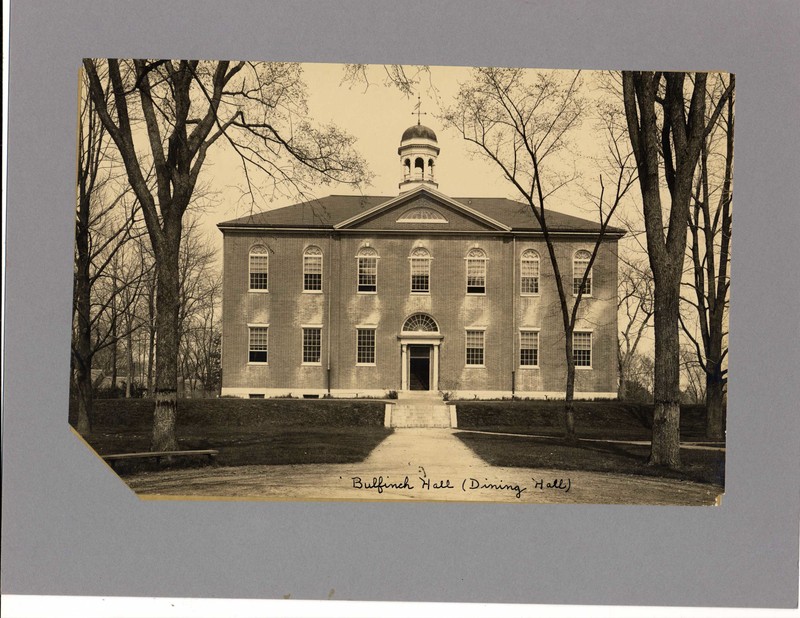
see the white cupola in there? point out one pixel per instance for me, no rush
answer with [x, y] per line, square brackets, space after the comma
[418, 151]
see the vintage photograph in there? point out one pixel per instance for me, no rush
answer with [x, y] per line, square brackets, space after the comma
[390, 283]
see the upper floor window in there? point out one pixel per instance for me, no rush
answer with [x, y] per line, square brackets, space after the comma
[580, 264]
[258, 347]
[529, 272]
[312, 270]
[582, 348]
[367, 270]
[259, 268]
[476, 271]
[420, 271]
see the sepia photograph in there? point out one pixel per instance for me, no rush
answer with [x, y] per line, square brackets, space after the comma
[373, 282]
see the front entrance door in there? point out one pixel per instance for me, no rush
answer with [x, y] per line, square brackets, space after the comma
[419, 370]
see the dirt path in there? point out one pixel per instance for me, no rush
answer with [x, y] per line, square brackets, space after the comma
[418, 464]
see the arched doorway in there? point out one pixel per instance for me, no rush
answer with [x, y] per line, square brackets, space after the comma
[419, 353]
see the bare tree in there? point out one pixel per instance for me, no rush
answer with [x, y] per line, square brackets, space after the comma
[709, 247]
[519, 124]
[667, 125]
[105, 219]
[635, 306]
[171, 113]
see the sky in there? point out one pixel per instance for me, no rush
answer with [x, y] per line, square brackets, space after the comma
[376, 115]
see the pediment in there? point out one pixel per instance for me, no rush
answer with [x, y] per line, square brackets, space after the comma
[422, 209]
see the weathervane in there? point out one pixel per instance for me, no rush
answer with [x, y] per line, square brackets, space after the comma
[418, 110]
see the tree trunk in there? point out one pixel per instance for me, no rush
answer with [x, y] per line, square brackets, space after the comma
[114, 342]
[83, 379]
[82, 353]
[129, 338]
[167, 299]
[666, 449]
[569, 395]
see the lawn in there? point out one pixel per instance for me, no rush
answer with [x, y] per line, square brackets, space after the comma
[703, 466]
[246, 432]
[593, 419]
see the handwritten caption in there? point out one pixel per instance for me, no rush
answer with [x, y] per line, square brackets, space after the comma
[423, 483]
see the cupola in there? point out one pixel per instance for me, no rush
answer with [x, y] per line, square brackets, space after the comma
[418, 151]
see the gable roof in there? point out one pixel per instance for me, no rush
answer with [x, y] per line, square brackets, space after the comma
[441, 198]
[338, 211]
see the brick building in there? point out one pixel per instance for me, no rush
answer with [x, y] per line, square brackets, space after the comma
[420, 291]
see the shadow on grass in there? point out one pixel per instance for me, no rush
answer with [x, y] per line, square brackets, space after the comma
[703, 466]
[263, 446]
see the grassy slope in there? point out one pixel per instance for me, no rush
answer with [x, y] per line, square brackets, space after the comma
[277, 431]
[599, 419]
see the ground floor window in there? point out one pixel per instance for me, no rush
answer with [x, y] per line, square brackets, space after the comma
[528, 348]
[582, 348]
[365, 344]
[259, 344]
[475, 345]
[312, 345]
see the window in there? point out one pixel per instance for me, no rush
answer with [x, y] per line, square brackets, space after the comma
[476, 271]
[420, 271]
[367, 270]
[420, 323]
[312, 270]
[529, 272]
[475, 347]
[582, 348]
[422, 214]
[365, 346]
[579, 265]
[259, 344]
[528, 348]
[312, 345]
[259, 268]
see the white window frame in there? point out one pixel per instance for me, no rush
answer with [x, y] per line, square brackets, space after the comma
[310, 253]
[366, 253]
[373, 329]
[535, 331]
[584, 331]
[257, 251]
[250, 328]
[419, 254]
[576, 279]
[472, 256]
[531, 256]
[482, 331]
[303, 329]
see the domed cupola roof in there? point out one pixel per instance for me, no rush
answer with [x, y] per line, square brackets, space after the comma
[418, 131]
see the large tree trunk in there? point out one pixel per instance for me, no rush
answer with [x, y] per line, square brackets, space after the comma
[715, 388]
[666, 448]
[167, 299]
[83, 379]
[569, 395]
[82, 353]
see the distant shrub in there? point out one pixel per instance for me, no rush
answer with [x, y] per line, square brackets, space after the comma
[391, 395]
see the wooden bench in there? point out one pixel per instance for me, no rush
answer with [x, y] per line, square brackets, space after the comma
[158, 455]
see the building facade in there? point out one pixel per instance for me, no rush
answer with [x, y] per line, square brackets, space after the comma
[362, 295]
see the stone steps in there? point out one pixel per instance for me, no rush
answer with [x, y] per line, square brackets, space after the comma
[425, 414]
